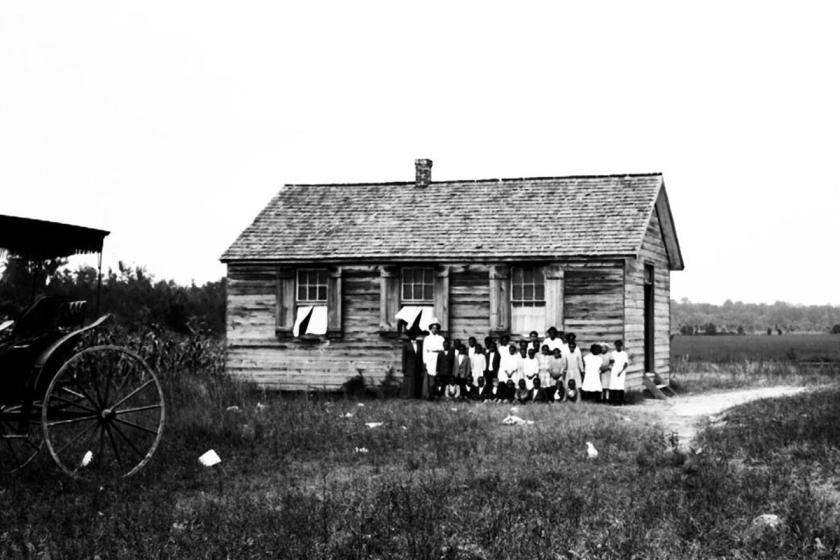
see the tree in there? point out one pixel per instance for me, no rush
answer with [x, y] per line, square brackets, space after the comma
[23, 280]
[710, 328]
[131, 294]
[756, 316]
[835, 329]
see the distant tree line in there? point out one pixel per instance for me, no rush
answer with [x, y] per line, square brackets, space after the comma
[738, 317]
[134, 296]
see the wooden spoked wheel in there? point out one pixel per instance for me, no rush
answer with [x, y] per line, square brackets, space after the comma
[20, 439]
[103, 413]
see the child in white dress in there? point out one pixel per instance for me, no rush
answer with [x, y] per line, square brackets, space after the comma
[618, 373]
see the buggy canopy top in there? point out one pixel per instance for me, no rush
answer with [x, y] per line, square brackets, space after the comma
[40, 239]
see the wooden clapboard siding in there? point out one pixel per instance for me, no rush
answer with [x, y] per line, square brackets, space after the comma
[593, 301]
[602, 300]
[256, 353]
[653, 252]
[469, 303]
[251, 304]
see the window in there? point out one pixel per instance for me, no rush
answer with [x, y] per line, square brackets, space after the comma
[309, 302]
[527, 287]
[417, 285]
[312, 286]
[527, 300]
[311, 315]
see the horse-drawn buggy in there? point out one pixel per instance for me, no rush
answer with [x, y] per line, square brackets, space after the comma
[97, 408]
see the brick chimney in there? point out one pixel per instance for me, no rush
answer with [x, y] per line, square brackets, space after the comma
[423, 172]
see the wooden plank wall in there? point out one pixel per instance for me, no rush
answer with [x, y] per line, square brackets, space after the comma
[469, 303]
[251, 305]
[653, 252]
[593, 301]
[254, 351]
[597, 307]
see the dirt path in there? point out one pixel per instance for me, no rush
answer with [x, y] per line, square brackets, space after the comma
[683, 414]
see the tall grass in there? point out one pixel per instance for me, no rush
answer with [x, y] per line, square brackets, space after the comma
[433, 482]
[692, 376]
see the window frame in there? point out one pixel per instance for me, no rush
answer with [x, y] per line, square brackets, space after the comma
[537, 272]
[420, 302]
[317, 285]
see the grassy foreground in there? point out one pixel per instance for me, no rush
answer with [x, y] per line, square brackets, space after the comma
[439, 483]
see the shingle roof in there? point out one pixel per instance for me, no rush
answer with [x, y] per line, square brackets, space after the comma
[499, 218]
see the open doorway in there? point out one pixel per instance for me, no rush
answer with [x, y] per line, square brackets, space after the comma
[649, 303]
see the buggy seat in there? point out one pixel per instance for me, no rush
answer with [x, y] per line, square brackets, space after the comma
[40, 324]
[48, 314]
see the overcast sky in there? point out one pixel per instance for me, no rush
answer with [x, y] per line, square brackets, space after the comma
[172, 124]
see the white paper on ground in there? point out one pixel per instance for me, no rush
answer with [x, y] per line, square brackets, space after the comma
[209, 459]
[511, 420]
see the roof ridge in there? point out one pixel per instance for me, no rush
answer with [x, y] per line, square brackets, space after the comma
[464, 181]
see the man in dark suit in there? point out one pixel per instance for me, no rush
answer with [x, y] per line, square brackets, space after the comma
[493, 361]
[412, 368]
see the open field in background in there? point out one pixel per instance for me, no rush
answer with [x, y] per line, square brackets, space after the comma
[435, 482]
[703, 363]
[734, 348]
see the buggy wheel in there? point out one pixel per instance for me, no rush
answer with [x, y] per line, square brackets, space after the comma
[20, 439]
[103, 413]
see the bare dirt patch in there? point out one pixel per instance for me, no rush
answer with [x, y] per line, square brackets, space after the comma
[682, 415]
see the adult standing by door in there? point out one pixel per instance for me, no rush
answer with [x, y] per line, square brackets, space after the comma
[412, 368]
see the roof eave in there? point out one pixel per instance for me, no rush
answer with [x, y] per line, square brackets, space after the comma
[672, 242]
[448, 259]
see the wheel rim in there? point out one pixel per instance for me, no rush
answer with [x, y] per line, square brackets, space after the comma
[20, 441]
[103, 413]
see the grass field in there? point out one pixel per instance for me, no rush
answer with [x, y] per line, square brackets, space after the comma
[437, 483]
[702, 363]
[433, 482]
[733, 348]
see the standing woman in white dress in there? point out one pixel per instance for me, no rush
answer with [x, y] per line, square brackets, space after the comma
[432, 346]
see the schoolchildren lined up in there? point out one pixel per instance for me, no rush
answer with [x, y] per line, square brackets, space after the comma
[549, 370]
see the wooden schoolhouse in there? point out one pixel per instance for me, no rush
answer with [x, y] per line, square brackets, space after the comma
[315, 283]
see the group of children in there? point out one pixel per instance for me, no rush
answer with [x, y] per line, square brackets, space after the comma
[548, 370]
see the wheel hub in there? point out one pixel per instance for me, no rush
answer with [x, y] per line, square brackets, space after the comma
[108, 414]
